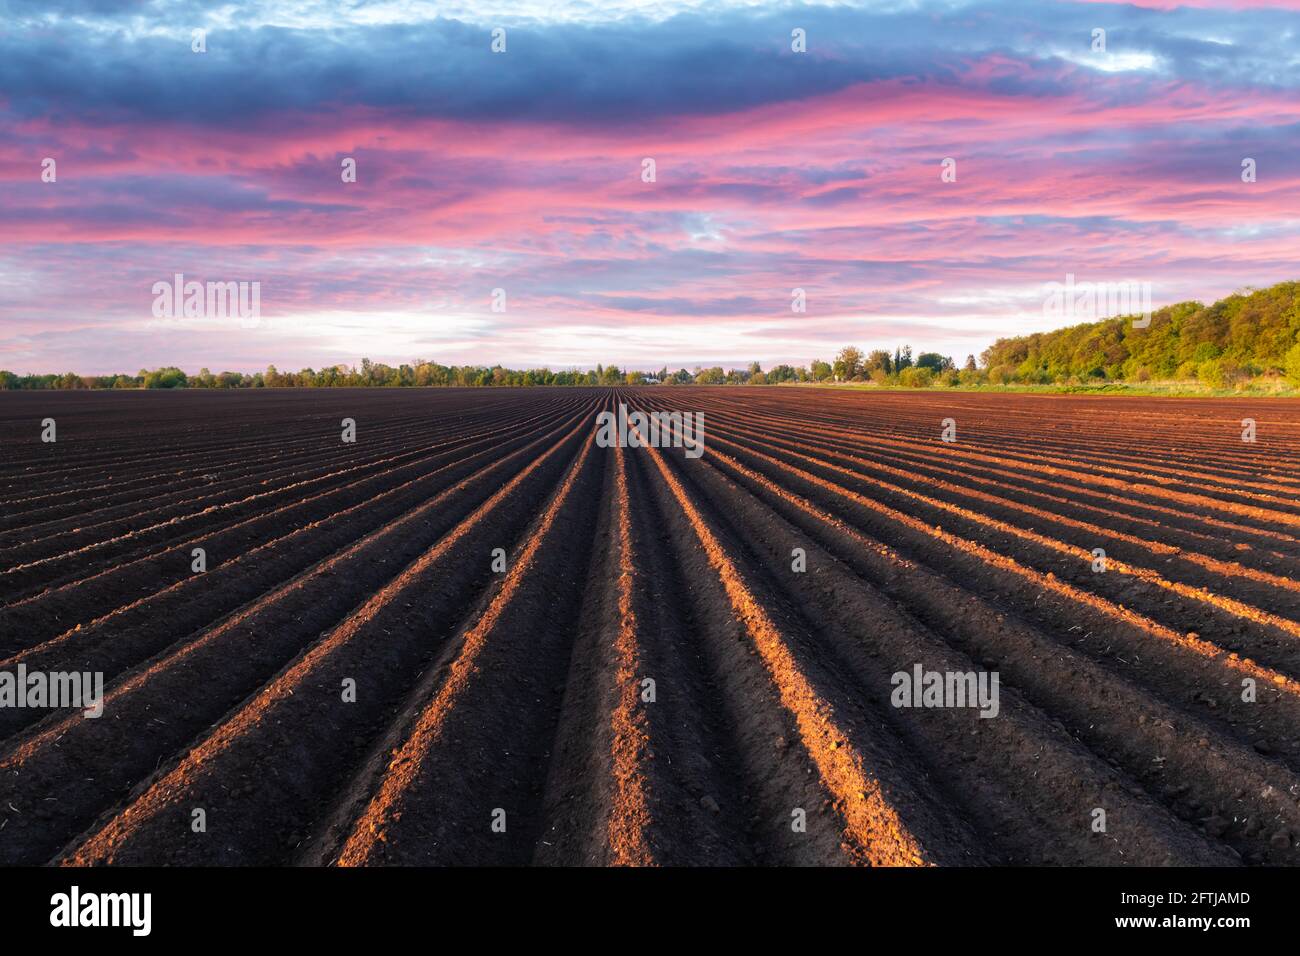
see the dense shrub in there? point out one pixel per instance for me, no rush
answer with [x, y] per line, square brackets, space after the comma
[914, 376]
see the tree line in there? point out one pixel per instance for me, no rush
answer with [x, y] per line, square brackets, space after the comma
[423, 374]
[1252, 335]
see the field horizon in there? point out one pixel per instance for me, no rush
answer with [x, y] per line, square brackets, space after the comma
[1245, 343]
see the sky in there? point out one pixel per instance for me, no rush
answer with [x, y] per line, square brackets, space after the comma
[525, 171]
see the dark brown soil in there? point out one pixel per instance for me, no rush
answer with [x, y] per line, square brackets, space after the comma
[503, 717]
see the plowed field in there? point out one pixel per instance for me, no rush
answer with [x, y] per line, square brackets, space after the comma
[670, 660]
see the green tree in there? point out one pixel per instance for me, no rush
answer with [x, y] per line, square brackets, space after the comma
[1292, 365]
[933, 361]
[878, 360]
[848, 364]
[169, 377]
